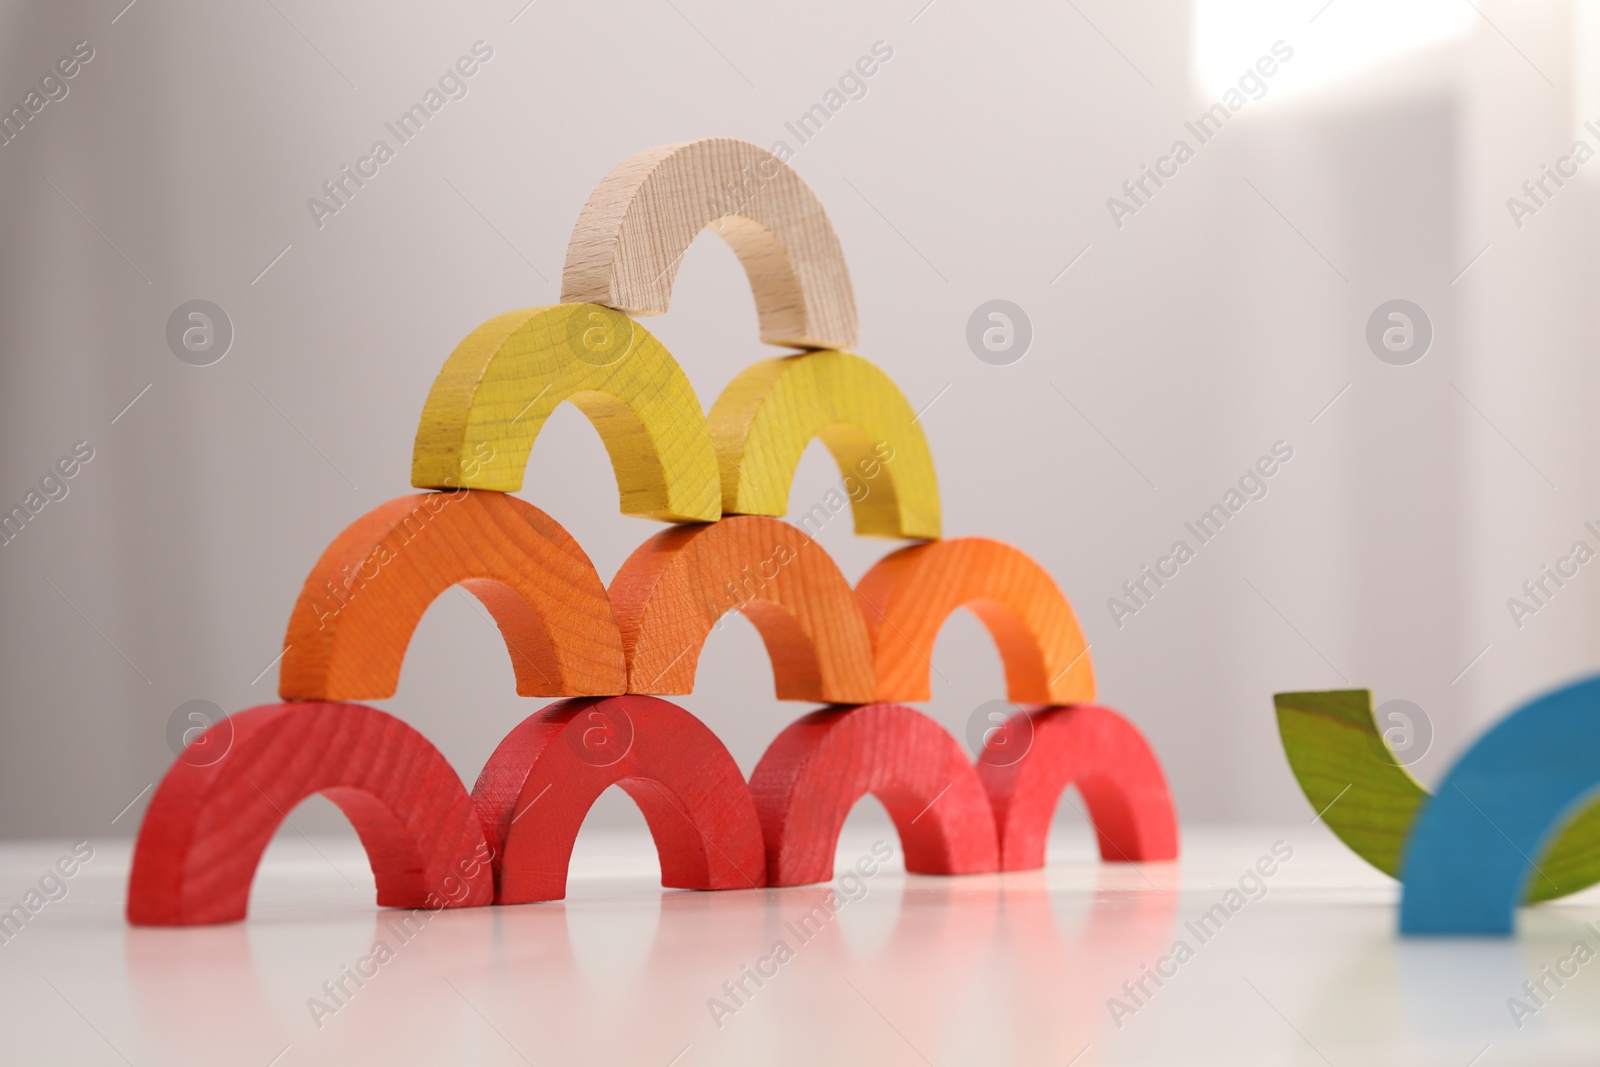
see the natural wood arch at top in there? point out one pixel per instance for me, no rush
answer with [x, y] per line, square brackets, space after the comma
[643, 216]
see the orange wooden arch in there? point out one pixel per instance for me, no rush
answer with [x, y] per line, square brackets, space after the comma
[908, 594]
[673, 589]
[209, 823]
[362, 601]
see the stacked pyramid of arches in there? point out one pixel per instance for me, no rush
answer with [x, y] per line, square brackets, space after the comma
[722, 479]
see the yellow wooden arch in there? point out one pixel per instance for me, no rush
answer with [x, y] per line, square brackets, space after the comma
[500, 384]
[766, 417]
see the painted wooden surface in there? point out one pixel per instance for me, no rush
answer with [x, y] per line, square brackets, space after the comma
[1473, 853]
[821, 765]
[675, 587]
[499, 386]
[857, 649]
[766, 417]
[1348, 774]
[907, 596]
[1371, 802]
[208, 824]
[1105, 757]
[541, 781]
[362, 601]
[641, 219]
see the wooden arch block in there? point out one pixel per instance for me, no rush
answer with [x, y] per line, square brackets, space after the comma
[362, 601]
[908, 594]
[670, 593]
[766, 417]
[814, 772]
[641, 219]
[1470, 857]
[536, 789]
[1370, 801]
[1112, 765]
[499, 386]
[208, 824]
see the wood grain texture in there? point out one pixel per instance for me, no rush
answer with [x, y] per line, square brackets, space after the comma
[498, 387]
[819, 767]
[208, 825]
[908, 594]
[641, 219]
[1371, 802]
[1473, 854]
[1113, 768]
[670, 593]
[362, 601]
[766, 417]
[1348, 774]
[541, 781]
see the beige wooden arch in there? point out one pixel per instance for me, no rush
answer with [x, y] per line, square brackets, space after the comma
[643, 216]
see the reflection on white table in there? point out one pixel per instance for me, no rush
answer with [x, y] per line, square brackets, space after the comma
[1288, 961]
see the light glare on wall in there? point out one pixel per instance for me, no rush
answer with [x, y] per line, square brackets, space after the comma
[1332, 41]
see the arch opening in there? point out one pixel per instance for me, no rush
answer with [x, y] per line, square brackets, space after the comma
[768, 415]
[673, 590]
[642, 217]
[907, 596]
[497, 389]
[538, 787]
[818, 768]
[1519, 790]
[1113, 768]
[208, 825]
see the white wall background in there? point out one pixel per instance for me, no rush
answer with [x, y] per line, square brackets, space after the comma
[1224, 316]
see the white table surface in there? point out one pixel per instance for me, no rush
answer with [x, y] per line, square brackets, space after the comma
[993, 969]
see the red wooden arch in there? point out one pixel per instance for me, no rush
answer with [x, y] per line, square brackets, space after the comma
[542, 779]
[208, 825]
[908, 594]
[362, 601]
[814, 772]
[1112, 765]
[670, 593]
